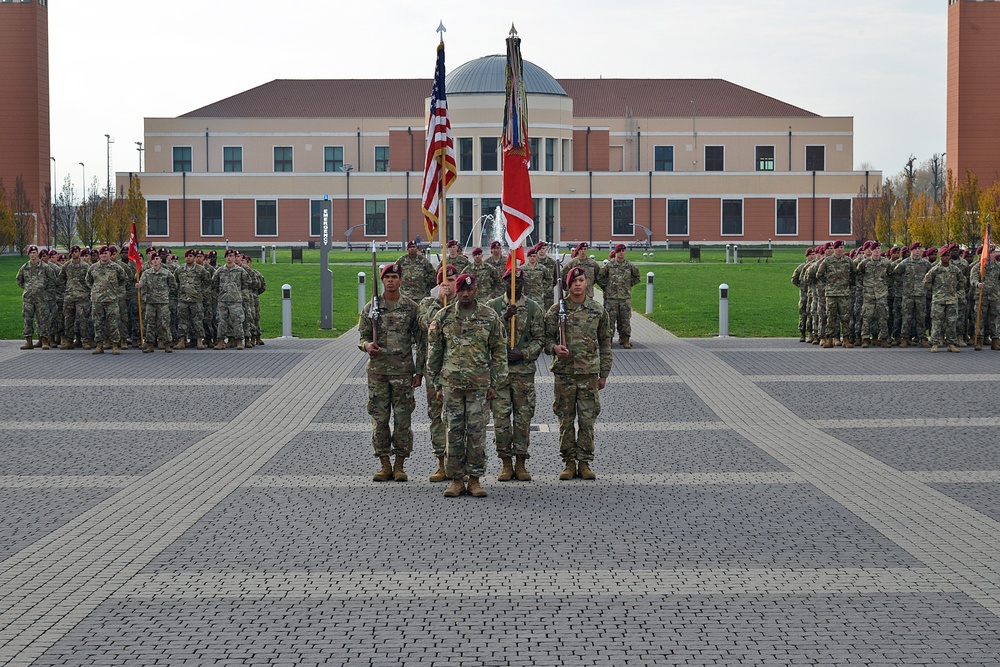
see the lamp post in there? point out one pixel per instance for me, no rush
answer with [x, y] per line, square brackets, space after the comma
[83, 200]
[139, 144]
[348, 168]
[52, 199]
[110, 141]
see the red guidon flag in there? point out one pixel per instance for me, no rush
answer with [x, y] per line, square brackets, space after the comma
[439, 167]
[133, 251]
[515, 196]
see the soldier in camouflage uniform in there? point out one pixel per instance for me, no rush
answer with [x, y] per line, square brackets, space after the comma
[858, 255]
[131, 304]
[534, 277]
[516, 397]
[455, 256]
[487, 279]
[798, 279]
[963, 296]
[466, 361]
[192, 281]
[913, 311]
[581, 365]
[837, 272]
[819, 293]
[228, 283]
[56, 261]
[943, 282]
[33, 278]
[551, 272]
[895, 297]
[47, 314]
[617, 278]
[260, 288]
[499, 264]
[123, 322]
[154, 289]
[106, 280]
[989, 316]
[589, 266]
[874, 273]
[76, 299]
[243, 262]
[250, 328]
[418, 273]
[209, 295]
[426, 311]
[390, 339]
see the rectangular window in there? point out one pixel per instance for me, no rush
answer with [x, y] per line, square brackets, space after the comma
[533, 147]
[732, 217]
[375, 217]
[182, 158]
[550, 220]
[840, 217]
[232, 158]
[465, 154]
[765, 158]
[333, 158]
[663, 158]
[282, 158]
[815, 158]
[715, 158]
[677, 217]
[786, 219]
[316, 217]
[567, 155]
[156, 219]
[488, 154]
[211, 217]
[267, 217]
[621, 217]
[381, 158]
[550, 154]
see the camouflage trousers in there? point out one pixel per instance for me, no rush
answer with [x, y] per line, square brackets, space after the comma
[516, 399]
[133, 332]
[577, 403]
[989, 316]
[173, 318]
[913, 316]
[209, 308]
[434, 407]
[124, 323]
[466, 417]
[944, 322]
[76, 313]
[229, 316]
[819, 313]
[895, 316]
[58, 326]
[620, 316]
[106, 319]
[391, 394]
[256, 315]
[189, 320]
[33, 311]
[838, 316]
[157, 323]
[247, 318]
[875, 317]
[803, 312]
[963, 315]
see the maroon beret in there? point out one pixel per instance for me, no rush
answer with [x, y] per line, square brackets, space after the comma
[838, 244]
[620, 247]
[75, 248]
[581, 245]
[452, 243]
[231, 252]
[452, 271]
[518, 274]
[531, 252]
[60, 257]
[199, 253]
[103, 249]
[495, 244]
[190, 252]
[411, 244]
[391, 270]
[212, 253]
[465, 281]
[477, 251]
[915, 245]
[810, 251]
[573, 274]
[32, 248]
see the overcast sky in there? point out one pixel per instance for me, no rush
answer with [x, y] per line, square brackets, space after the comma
[115, 62]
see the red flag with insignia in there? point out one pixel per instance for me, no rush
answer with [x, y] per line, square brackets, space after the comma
[515, 196]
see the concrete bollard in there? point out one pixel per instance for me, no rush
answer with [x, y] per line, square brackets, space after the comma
[668, 244]
[651, 257]
[769, 244]
[736, 254]
[274, 254]
[723, 310]
[362, 293]
[645, 256]
[263, 254]
[286, 311]
[649, 293]
[728, 248]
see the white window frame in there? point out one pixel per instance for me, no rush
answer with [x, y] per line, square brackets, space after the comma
[458, 153]
[201, 219]
[223, 159]
[743, 217]
[673, 159]
[774, 158]
[277, 228]
[776, 200]
[158, 236]
[341, 159]
[173, 160]
[628, 199]
[667, 220]
[385, 202]
[704, 157]
[273, 170]
[850, 232]
[375, 159]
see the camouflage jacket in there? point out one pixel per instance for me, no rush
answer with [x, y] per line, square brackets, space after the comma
[461, 263]
[529, 331]
[130, 277]
[229, 283]
[589, 267]
[875, 277]
[426, 310]
[73, 276]
[209, 294]
[799, 278]
[618, 278]
[913, 272]
[466, 353]
[534, 282]
[106, 282]
[155, 284]
[34, 279]
[944, 283]
[588, 337]
[399, 336]
[551, 270]
[52, 291]
[418, 278]
[963, 266]
[261, 284]
[990, 280]
[487, 279]
[816, 282]
[895, 280]
[837, 273]
[191, 283]
[500, 266]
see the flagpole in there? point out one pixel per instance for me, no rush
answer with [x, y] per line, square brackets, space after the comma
[442, 223]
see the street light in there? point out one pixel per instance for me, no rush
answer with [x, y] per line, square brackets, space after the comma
[139, 144]
[110, 141]
[83, 201]
[348, 168]
[52, 197]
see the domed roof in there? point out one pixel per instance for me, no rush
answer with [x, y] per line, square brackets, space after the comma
[489, 75]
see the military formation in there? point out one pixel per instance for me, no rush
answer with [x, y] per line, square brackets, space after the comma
[473, 344]
[909, 296]
[91, 299]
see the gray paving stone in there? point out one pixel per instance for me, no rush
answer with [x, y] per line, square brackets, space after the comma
[760, 359]
[983, 498]
[926, 448]
[30, 514]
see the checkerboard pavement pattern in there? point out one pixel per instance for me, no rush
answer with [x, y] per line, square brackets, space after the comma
[757, 503]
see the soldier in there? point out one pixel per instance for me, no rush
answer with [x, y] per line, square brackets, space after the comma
[455, 256]
[418, 273]
[858, 255]
[76, 299]
[249, 303]
[580, 347]
[499, 264]
[389, 336]
[47, 314]
[551, 272]
[131, 298]
[516, 397]
[106, 281]
[534, 278]
[617, 278]
[466, 362]
[819, 300]
[989, 317]
[874, 273]
[33, 278]
[914, 303]
[228, 283]
[192, 281]
[427, 309]
[837, 271]
[243, 261]
[154, 289]
[209, 295]
[798, 279]
[487, 279]
[943, 281]
[963, 295]
[895, 297]
[124, 325]
[590, 267]
[260, 286]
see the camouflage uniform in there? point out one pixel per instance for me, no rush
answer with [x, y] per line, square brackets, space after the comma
[517, 396]
[192, 281]
[76, 299]
[106, 282]
[418, 277]
[534, 282]
[33, 278]
[426, 311]
[551, 269]
[209, 303]
[173, 300]
[874, 275]
[58, 326]
[588, 337]
[944, 283]
[857, 298]
[461, 263]
[261, 287]
[819, 300]
[589, 266]
[390, 374]
[487, 279]
[963, 299]
[245, 291]
[155, 286]
[466, 356]
[228, 283]
[500, 266]
[895, 301]
[989, 318]
[126, 301]
[837, 272]
[46, 323]
[913, 311]
[617, 280]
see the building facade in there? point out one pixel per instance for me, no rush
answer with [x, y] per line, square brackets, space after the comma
[704, 161]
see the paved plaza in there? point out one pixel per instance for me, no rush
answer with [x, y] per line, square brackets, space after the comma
[758, 502]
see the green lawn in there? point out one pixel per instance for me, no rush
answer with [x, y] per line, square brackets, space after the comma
[762, 300]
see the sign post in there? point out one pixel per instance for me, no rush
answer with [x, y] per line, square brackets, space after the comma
[325, 275]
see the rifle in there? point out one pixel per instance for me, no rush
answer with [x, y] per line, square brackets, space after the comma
[373, 312]
[562, 301]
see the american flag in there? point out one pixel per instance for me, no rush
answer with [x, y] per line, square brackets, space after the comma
[439, 168]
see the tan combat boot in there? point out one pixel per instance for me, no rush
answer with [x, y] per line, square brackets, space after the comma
[904, 342]
[167, 347]
[507, 473]
[201, 343]
[398, 473]
[627, 343]
[116, 350]
[995, 345]
[802, 337]
[953, 348]
[248, 342]
[884, 343]
[455, 489]
[258, 341]
[147, 348]
[28, 343]
[827, 343]
[67, 344]
[866, 343]
[385, 474]
[439, 475]
[848, 344]
[44, 340]
[475, 489]
[934, 348]
[239, 344]
[219, 345]
[123, 344]
[520, 472]
[179, 343]
[87, 344]
[924, 344]
[569, 472]
[99, 349]
[583, 469]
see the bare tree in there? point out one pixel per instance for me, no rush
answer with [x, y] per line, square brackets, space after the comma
[24, 218]
[64, 216]
[86, 220]
[45, 229]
